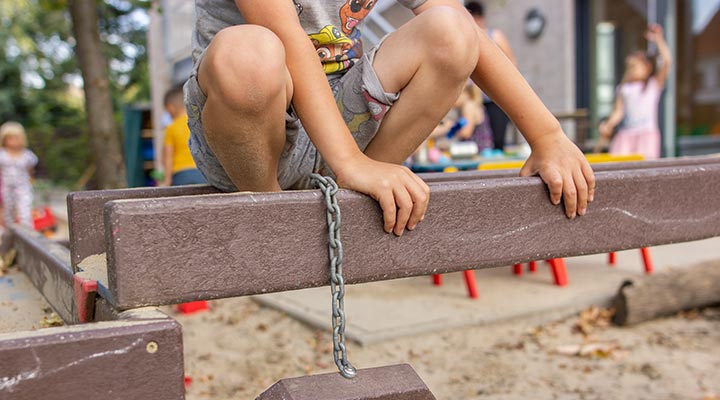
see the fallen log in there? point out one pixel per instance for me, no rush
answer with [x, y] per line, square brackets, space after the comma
[666, 293]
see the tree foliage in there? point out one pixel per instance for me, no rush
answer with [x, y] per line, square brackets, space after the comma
[40, 79]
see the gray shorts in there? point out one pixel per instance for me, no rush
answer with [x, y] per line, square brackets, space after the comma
[359, 96]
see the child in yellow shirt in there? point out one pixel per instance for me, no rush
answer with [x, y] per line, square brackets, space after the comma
[179, 166]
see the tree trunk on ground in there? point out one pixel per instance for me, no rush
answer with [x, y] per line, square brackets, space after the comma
[103, 131]
[666, 293]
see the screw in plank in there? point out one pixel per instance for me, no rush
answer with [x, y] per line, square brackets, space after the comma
[152, 347]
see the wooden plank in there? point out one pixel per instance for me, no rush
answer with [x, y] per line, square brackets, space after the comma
[85, 209]
[85, 215]
[118, 360]
[170, 250]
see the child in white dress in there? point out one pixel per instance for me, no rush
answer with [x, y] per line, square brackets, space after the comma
[16, 168]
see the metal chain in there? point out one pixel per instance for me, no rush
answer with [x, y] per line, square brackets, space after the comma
[337, 284]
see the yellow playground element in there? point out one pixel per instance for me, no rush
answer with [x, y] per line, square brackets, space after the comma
[595, 158]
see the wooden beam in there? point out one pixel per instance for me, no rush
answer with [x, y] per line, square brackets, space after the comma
[170, 250]
[85, 209]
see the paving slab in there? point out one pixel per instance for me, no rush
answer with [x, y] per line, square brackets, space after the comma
[387, 310]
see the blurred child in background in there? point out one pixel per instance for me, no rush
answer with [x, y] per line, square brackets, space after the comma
[17, 164]
[179, 165]
[477, 129]
[637, 101]
[498, 120]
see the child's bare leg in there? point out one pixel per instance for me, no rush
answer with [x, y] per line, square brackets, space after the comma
[429, 60]
[248, 89]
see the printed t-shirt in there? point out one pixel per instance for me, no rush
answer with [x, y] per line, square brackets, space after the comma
[332, 25]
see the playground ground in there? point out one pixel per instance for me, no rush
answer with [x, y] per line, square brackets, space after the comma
[240, 346]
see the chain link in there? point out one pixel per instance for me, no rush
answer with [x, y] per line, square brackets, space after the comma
[337, 284]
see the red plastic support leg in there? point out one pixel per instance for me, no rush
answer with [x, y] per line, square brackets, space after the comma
[557, 265]
[437, 280]
[471, 284]
[612, 259]
[192, 307]
[532, 266]
[85, 295]
[517, 269]
[647, 260]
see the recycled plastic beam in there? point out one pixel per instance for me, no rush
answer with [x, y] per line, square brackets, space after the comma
[47, 264]
[170, 250]
[600, 167]
[85, 215]
[395, 382]
[135, 354]
[116, 360]
[85, 209]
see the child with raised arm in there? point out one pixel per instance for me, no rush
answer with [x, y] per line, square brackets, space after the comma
[637, 100]
[284, 88]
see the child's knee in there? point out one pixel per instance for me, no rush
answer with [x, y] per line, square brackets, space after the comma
[244, 60]
[452, 39]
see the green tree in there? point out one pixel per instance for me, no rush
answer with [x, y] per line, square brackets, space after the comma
[39, 76]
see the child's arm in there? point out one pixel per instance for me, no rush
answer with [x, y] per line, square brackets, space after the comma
[499, 38]
[168, 154]
[554, 157]
[656, 34]
[470, 111]
[618, 112]
[402, 196]
[442, 129]
[32, 163]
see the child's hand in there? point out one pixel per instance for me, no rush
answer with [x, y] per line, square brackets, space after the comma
[565, 170]
[402, 195]
[655, 33]
[605, 130]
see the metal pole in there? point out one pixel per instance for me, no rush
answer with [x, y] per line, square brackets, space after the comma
[669, 120]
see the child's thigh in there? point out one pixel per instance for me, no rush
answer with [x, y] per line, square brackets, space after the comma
[440, 39]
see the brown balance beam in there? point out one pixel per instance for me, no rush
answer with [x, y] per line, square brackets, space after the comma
[170, 250]
[85, 209]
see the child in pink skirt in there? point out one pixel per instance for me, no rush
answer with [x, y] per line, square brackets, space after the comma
[637, 100]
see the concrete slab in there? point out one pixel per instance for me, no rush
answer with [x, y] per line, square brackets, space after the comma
[386, 310]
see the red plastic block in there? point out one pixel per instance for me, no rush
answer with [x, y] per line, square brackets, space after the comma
[192, 307]
[85, 295]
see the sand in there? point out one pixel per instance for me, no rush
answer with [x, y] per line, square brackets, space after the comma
[239, 348]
